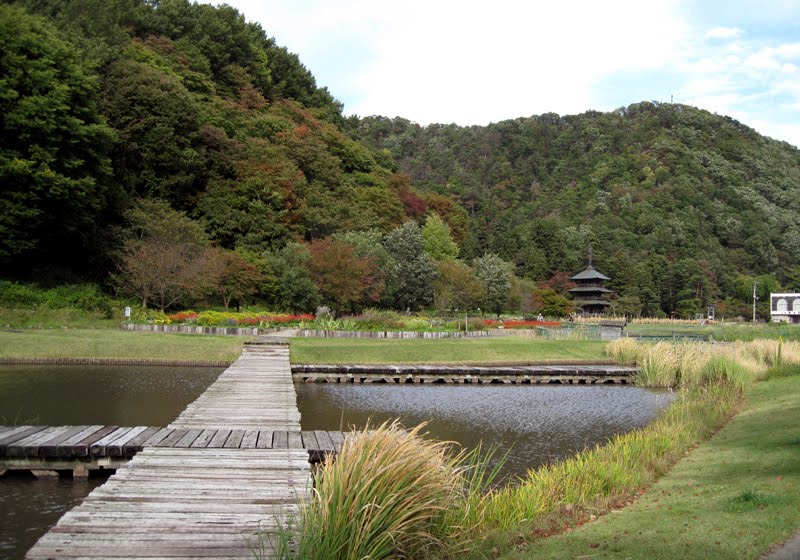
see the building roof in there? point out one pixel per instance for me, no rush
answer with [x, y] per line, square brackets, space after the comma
[584, 302]
[590, 273]
[589, 289]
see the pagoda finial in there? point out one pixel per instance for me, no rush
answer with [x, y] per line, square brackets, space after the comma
[590, 254]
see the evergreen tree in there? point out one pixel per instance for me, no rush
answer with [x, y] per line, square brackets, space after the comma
[410, 273]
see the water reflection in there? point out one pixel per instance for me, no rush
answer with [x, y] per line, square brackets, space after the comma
[536, 424]
[29, 506]
[121, 395]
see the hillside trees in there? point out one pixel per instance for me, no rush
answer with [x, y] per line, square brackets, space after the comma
[54, 166]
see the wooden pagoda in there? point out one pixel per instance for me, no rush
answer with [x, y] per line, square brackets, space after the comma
[589, 294]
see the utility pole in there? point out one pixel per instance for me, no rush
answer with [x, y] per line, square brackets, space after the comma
[755, 299]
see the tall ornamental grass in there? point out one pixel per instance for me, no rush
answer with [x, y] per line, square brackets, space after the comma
[687, 364]
[392, 494]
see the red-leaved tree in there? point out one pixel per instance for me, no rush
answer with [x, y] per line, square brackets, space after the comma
[345, 281]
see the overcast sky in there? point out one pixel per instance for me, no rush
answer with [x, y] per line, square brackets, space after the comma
[479, 62]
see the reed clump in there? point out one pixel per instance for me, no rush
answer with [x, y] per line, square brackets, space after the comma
[687, 364]
[390, 493]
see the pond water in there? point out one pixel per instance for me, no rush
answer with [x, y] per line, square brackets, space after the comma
[534, 424]
[538, 424]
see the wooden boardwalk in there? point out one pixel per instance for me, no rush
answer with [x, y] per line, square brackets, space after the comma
[189, 502]
[582, 374]
[84, 448]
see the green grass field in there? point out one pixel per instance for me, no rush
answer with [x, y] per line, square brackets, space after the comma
[732, 497]
[114, 343]
[505, 350]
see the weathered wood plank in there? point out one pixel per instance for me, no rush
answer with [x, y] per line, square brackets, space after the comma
[295, 440]
[114, 449]
[219, 438]
[324, 440]
[172, 438]
[249, 440]
[135, 444]
[309, 440]
[234, 440]
[98, 448]
[188, 439]
[280, 440]
[202, 485]
[264, 439]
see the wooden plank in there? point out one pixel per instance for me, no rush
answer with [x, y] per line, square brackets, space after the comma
[115, 448]
[81, 448]
[280, 440]
[309, 440]
[295, 440]
[8, 433]
[157, 437]
[188, 439]
[201, 484]
[235, 439]
[137, 443]
[338, 439]
[24, 432]
[172, 438]
[98, 448]
[325, 441]
[29, 446]
[264, 439]
[204, 438]
[219, 438]
[50, 447]
[249, 440]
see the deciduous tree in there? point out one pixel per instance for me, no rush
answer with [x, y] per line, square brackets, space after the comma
[345, 281]
[164, 258]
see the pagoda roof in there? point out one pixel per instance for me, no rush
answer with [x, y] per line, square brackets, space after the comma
[589, 289]
[583, 302]
[590, 273]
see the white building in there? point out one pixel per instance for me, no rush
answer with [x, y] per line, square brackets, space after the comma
[785, 308]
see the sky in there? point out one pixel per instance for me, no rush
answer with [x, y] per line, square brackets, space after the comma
[470, 62]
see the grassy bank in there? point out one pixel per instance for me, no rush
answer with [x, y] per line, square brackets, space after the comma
[450, 351]
[732, 497]
[110, 343]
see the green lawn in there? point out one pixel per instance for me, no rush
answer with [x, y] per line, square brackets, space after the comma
[115, 343]
[732, 497]
[452, 351]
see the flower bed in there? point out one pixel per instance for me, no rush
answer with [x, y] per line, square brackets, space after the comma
[233, 319]
[493, 324]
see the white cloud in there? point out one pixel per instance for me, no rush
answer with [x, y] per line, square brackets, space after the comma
[469, 61]
[473, 62]
[723, 33]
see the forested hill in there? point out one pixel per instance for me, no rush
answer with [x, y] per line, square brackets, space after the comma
[144, 135]
[677, 202]
[105, 102]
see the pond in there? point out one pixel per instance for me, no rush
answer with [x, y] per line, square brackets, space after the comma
[535, 424]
